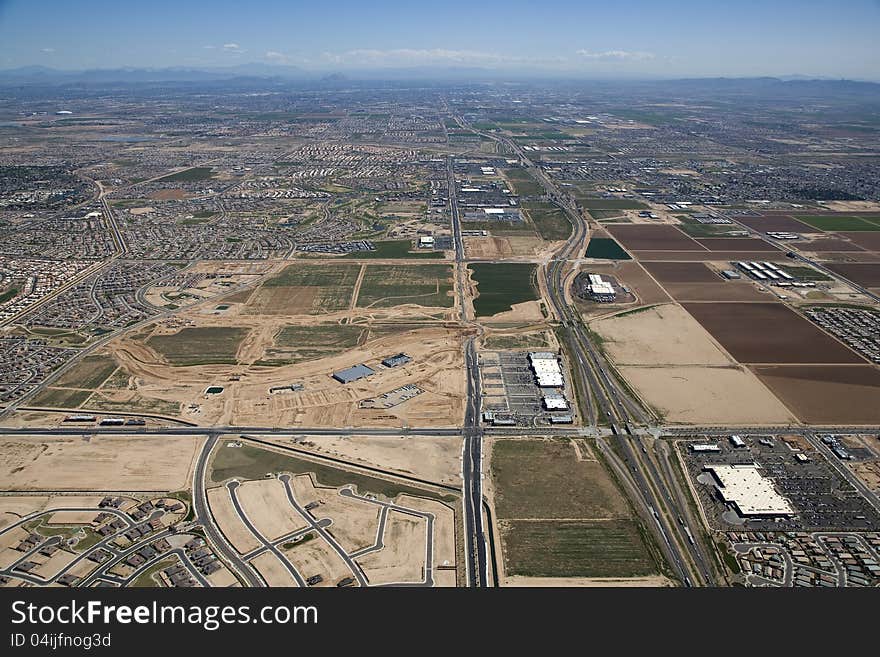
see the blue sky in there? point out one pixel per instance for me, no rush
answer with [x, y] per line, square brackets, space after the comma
[620, 37]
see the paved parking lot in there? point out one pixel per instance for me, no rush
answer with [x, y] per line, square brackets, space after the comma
[509, 388]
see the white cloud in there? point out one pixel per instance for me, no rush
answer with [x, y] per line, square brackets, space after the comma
[424, 56]
[48, 50]
[231, 46]
[209, 47]
[616, 55]
[275, 56]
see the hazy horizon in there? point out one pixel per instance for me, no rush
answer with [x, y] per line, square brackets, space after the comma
[631, 39]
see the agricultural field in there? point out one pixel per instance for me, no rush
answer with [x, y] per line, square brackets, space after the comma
[294, 344]
[769, 333]
[523, 183]
[834, 223]
[502, 285]
[550, 221]
[195, 174]
[306, 289]
[199, 345]
[605, 248]
[386, 286]
[560, 515]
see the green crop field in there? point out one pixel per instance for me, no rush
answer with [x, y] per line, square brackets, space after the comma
[394, 249]
[385, 286]
[523, 182]
[189, 175]
[563, 517]
[551, 222]
[805, 273]
[501, 285]
[848, 223]
[199, 346]
[606, 248]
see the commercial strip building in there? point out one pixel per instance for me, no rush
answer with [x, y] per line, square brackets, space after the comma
[750, 492]
[601, 290]
[545, 365]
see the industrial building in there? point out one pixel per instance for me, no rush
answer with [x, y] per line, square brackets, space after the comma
[749, 491]
[397, 360]
[353, 373]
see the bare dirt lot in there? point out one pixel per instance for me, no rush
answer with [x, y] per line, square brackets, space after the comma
[681, 272]
[432, 458]
[660, 335]
[696, 256]
[436, 368]
[827, 394]
[653, 237]
[769, 333]
[863, 273]
[736, 244]
[707, 395]
[742, 290]
[102, 462]
[867, 240]
[776, 222]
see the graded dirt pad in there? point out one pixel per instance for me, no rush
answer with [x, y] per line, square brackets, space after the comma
[863, 273]
[227, 519]
[403, 557]
[266, 505]
[427, 457]
[736, 244]
[769, 333]
[355, 522]
[866, 240]
[706, 395]
[155, 463]
[650, 237]
[681, 272]
[659, 335]
[776, 222]
[317, 557]
[445, 553]
[273, 571]
[741, 290]
[827, 394]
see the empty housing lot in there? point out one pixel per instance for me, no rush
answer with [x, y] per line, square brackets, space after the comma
[768, 333]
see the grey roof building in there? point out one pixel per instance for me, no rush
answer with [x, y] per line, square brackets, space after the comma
[353, 373]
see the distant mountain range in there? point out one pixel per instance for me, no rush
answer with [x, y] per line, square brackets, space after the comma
[41, 75]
